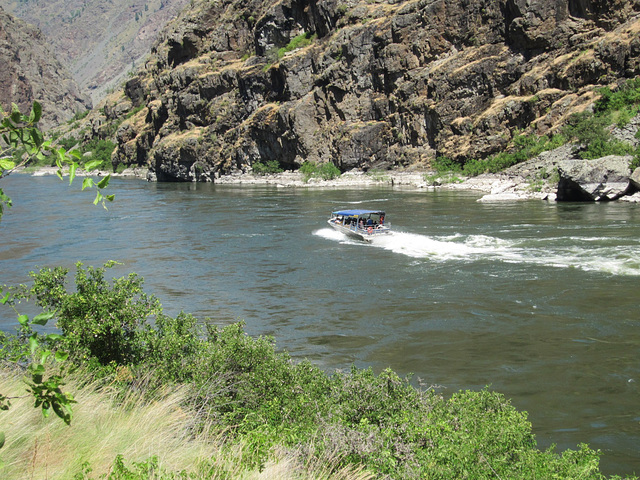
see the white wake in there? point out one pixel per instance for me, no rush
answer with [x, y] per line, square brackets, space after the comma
[587, 254]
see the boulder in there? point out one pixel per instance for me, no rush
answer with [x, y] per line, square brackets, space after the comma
[635, 198]
[605, 178]
[635, 179]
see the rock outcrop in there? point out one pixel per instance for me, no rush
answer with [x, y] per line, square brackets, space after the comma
[606, 178]
[560, 175]
[31, 72]
[377, 84]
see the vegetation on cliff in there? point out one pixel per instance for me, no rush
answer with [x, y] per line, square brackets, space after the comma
[589, 130]
[226, 395]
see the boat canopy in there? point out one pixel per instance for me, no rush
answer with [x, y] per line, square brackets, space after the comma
[357, 213]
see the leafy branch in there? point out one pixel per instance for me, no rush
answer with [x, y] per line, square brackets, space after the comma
[20, 133]
[46, 390]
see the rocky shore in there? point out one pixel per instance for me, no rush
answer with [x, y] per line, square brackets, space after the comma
[552, 176]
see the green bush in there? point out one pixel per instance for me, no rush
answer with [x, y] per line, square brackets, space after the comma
[272, 166]
[300, 41]
[589, 129]
[446, 165]
[68, 142]
[325, 171]
[100, 320]
[586, 127]
[328, 171]
[101, 150]
[524, 148]
[625, 102]
[592, 132]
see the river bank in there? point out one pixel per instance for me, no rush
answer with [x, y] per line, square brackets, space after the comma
[506, 187]
[536, 179]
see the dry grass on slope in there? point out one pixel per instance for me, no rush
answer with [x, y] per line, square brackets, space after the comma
[104, 426]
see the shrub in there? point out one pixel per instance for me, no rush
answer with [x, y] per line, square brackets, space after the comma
[100, 320]
[300, 41]
[592, 132]
[325, 171]
[272, 166]
[100, 150]
[328, 171]
[446, 165]
[524, 148]
[68, 142]
[625, 102]
[585, 127]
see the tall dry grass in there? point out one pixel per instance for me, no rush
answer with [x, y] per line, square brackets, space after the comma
[105, 425]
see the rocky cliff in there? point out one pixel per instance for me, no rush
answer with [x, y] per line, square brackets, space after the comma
[364, 83]
[31, 72]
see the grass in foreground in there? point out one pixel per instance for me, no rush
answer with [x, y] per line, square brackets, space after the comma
[135, 436]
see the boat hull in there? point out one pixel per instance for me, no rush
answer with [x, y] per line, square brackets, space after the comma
[366, 234]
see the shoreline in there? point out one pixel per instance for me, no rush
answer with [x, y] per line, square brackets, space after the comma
[495, 187]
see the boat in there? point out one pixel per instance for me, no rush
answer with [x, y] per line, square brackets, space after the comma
[362, 225]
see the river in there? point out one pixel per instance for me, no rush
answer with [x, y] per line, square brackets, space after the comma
[538, 300]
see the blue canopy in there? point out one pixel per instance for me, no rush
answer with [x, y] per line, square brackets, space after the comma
[357, 213]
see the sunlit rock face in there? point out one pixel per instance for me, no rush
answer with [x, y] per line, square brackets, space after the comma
[364, 84]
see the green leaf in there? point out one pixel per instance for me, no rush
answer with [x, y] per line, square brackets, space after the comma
[23, 320]
[92, 165]
[52, 337]
[98, 198]
[44, 356]
[104, 182]
[72, 172]
[87, 183]
[6, 164]
[75, 153]
[110, 197]
[36, 137]
[43, 318]
[61, 356]
[1, 439]
[33, 343]
[36, 112]
[16, 116]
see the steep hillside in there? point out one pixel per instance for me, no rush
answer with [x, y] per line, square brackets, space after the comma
[99, 41]
[371, 83]
[31, 72]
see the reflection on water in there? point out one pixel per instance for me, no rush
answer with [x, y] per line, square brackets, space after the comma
[537, 300]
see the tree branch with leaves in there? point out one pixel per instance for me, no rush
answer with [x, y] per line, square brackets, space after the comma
[22, 138]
